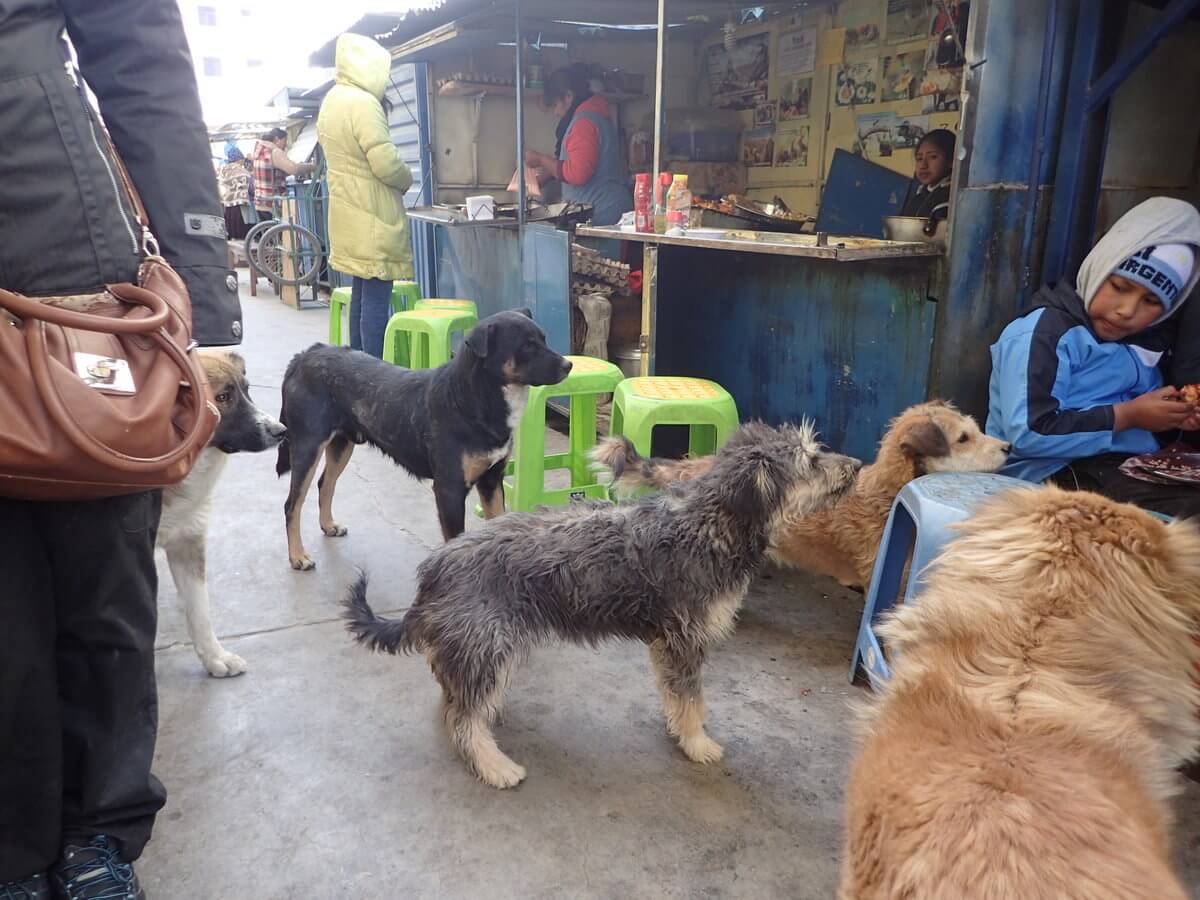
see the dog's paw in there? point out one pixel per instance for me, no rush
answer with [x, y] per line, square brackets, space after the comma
[224, 664]
[303, 563]
[702, 749]
[502, 774]
[334, 530]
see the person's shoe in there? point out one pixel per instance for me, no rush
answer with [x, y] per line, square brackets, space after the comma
[95, 871]
[35, 887]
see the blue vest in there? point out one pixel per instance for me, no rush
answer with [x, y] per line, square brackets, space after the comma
[607, 191]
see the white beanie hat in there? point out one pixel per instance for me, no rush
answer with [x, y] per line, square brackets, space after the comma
[1164, 269]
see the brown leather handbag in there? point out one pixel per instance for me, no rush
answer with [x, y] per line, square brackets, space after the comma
[101, 394]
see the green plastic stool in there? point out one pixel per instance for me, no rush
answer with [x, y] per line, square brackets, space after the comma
[405, 295]
[639, 404]
[527, 490]
[428, 332]
[443, 303]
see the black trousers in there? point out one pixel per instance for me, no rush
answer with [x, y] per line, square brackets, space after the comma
[78, 704]
[1102, 475]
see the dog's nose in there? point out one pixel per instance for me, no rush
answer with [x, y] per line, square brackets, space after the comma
[566, 367]
[277, 429]
[1005, 448]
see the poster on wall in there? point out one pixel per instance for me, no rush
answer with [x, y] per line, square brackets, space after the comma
[862, 28]
[875, 134]
[908, 131]
[737, 79]
[764, 114]
[758, 147]
[880, 134]
[907, 20]
[797, 52]
[900, 76]
[856, 83]
[791, 148]
[794, 99]
[940, 90]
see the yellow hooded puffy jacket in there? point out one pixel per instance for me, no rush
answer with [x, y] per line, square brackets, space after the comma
[368, 229]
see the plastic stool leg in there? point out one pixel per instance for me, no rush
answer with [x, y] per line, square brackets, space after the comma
[529, 478]
[882, 593]
[702, 440]
[581, 437]
[335, 323]
[395, 344]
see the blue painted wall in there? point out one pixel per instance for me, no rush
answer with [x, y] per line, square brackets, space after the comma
[846, 344]
[986, 269]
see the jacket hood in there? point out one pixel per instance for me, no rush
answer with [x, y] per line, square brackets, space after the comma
[1159, 220]
[1062, 297]
[363, 63]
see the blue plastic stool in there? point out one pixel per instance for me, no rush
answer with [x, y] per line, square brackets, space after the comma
[924, 510]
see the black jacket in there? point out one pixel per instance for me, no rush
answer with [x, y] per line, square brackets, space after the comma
[924, 203]
[64, 225]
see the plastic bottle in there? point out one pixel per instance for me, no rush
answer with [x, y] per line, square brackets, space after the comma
[679, 204]
[643, 212]
[660, 202]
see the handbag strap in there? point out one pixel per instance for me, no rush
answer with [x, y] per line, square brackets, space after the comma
[26, 308]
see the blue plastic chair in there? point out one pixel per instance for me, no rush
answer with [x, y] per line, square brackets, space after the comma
[921, 518]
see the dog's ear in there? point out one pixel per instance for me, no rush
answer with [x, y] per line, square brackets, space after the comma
[748, 484]
[924, 439]
[526, 312]
[479, 341]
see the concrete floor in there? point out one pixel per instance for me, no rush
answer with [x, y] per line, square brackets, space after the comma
[323, 772]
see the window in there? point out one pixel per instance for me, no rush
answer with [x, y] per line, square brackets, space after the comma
[254, 63]
[208, 15]
[212, 66]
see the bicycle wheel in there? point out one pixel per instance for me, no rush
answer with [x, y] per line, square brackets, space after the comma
[289, 254]
[253, 236]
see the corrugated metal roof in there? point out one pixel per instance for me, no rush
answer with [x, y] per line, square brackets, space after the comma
[385, 26]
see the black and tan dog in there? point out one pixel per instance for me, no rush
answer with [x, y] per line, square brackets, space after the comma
[453, 424]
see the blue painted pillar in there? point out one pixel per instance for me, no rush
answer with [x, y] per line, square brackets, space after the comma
[995, 154]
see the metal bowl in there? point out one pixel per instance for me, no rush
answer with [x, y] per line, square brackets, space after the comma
[912, 228]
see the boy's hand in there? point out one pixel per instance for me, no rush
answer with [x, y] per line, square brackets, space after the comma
[1160, 410]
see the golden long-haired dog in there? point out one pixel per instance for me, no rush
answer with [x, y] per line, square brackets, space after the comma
[842, 541]
[1041, 699]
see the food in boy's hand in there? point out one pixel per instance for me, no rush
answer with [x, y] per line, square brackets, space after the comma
[1190, 394]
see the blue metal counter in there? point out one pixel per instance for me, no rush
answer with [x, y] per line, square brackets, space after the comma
[482, 262]
[842, 334]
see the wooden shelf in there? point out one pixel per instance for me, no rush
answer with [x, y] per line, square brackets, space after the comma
[474, 89]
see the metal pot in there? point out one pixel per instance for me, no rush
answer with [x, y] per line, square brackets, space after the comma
[914, 228]
[628, 360]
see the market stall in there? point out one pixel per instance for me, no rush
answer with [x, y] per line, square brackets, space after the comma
[786, 117]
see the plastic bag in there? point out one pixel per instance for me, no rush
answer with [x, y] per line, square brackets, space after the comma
[532, 188]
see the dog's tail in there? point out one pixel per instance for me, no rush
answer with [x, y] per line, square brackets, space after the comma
[631, 471]
[372, 632]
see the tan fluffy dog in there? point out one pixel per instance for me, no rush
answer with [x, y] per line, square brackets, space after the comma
[1041, 700]
[842, 541]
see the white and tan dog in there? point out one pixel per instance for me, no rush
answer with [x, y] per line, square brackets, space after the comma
[182, 531]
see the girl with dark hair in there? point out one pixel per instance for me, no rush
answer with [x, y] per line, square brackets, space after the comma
[934, 163]
[587, 156]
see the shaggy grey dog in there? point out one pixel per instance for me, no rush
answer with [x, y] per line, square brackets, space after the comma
[669, 570]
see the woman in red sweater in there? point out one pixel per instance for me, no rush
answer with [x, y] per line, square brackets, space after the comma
[587, 159]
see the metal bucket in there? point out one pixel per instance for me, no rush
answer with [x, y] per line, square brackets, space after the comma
[628, 360]
[912, 229]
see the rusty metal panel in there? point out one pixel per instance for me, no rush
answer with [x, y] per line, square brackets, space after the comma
[845, 343]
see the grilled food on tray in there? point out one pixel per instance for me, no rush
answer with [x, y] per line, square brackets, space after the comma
[1190, 394]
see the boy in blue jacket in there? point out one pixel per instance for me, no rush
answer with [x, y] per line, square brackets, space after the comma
[1076, 388]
